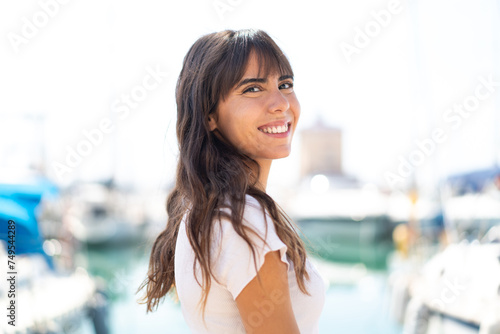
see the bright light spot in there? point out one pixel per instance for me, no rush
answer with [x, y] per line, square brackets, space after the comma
[320, 184]
[358, 217]
[52, 247]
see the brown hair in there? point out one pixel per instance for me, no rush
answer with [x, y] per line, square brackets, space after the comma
[211, 174]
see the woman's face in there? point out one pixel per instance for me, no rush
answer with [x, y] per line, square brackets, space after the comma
[259, 115]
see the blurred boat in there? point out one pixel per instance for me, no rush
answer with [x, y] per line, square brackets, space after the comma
[100, 214]
[47, 300]
[458, 290]
[472, 203]
[343, 221]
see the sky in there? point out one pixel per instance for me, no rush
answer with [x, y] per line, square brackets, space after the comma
[388, 73]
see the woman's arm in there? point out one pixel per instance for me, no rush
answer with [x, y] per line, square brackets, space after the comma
[267, 308]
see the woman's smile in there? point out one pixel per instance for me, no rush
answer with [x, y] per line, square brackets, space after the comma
[277, 129]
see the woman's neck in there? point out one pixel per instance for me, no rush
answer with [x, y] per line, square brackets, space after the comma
[265, 167]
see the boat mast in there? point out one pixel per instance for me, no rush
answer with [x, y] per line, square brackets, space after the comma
[496, 75]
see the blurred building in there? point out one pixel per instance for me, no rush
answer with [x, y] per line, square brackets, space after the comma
[321, 150]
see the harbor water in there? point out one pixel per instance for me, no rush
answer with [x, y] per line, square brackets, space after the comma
[357, 299]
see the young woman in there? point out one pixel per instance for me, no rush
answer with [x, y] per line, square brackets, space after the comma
[232, 255]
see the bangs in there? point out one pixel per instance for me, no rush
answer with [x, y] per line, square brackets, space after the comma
[270, 63]
[270, 58]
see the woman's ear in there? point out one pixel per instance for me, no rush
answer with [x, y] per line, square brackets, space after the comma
[212, 122]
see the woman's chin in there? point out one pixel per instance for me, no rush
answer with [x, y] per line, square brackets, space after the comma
[274, 154]
[279, 155]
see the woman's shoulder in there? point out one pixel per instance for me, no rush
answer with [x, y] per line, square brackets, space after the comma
[253, 211]
[254, 216]
[255, 223]
[252, 203]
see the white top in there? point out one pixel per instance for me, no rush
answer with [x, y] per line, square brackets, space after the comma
[233, 266]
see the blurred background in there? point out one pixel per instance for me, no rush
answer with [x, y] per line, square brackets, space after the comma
[394, 176]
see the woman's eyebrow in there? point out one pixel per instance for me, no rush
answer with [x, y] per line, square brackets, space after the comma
[261, 80]
[284, 77]
[250, 80]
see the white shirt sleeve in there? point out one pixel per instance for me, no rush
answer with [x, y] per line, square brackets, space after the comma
[232, 263]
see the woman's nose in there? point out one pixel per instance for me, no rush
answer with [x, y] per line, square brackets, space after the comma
[278, 102]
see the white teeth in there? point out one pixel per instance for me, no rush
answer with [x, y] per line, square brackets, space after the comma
[276, 129]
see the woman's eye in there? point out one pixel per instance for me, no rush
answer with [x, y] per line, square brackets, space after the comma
[253, 89]
[286, 85]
